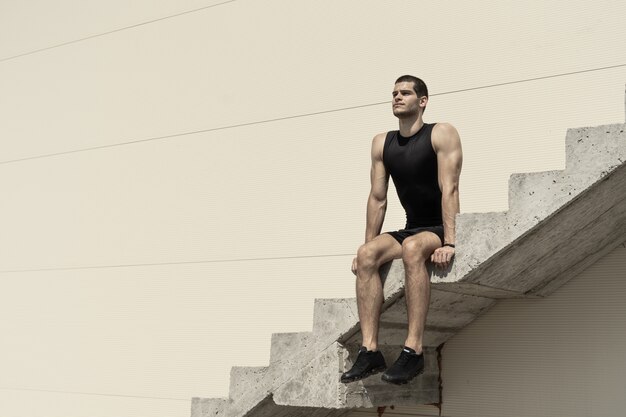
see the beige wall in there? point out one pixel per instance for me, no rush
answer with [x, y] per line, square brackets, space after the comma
[134, 276]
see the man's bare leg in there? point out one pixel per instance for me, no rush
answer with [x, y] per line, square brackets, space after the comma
[416, 250]
[369, 288]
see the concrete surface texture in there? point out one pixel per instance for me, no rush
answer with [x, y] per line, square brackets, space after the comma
[573, 216]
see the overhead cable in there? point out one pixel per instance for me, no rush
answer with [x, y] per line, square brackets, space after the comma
[47, 48]
[296, 116]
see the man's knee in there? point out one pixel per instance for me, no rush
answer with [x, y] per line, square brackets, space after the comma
[367, 257]
[416, 248]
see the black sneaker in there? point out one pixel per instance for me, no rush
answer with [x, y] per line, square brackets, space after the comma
[367, 363]
[407, 367]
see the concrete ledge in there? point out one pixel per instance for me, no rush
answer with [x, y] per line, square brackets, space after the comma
[447, 310]
[589, 222]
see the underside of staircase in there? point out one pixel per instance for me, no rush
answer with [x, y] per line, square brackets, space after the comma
[558, 223]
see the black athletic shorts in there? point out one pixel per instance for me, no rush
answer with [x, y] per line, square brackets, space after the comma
[400, 235]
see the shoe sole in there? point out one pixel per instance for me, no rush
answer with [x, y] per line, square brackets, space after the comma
[358, 378]
[404, 382]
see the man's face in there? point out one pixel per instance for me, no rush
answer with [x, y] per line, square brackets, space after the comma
[405, 102]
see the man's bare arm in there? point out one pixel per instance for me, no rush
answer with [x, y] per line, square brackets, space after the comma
[377, 200]
[447, 145]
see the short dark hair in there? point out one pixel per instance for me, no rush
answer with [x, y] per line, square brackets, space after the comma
[419, 86]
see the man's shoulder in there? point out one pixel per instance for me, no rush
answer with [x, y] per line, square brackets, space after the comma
[443, 128]
[443, 131]
[378, 144]
[385, 134]
[445, 136]
[380, 137]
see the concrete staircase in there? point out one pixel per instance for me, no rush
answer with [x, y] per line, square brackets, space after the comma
[558, 223]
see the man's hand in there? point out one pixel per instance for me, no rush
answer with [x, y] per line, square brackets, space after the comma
[354, 266]
[442, 256]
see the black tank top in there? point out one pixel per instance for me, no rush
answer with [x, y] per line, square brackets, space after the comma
[412, 164]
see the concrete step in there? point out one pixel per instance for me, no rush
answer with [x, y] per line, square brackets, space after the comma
[210, 407]
[315, 383]
[555, 248]
[528, 189]
[595, 150]
[535, 196]
[333, 317]
[249, 382]
[250, 386]
[479, 236]
[286, 347]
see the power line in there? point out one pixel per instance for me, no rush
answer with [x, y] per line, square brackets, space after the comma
[131, 142]
[258, 122]
[71, 268]
[545, 77]
[113, 31]
[94, 393]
